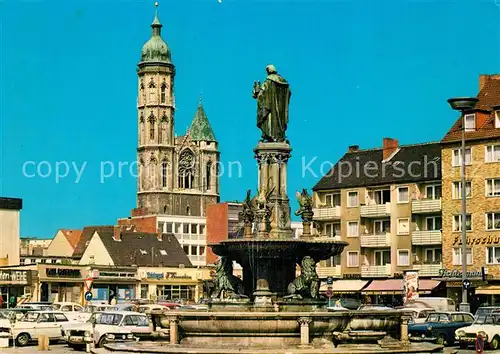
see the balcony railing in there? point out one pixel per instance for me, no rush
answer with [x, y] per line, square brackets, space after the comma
[432, 237]
[426, 206]
[375, 240]
[428, 270]
[325, 272]
[375, 210]
[376, 271]
[327, 213]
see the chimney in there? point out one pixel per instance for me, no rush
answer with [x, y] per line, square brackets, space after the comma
[389, 147]
[353, 148]
[483, 78]
[117, 233]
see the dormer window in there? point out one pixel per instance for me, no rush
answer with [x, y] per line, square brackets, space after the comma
[470, 122]
[497, 119]
[144, 252]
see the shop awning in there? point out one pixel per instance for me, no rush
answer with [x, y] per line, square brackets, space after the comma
[395, 287]
[345, 286]
[488, 290]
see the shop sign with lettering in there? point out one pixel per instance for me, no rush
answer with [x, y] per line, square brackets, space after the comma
[63, 273]
[445, 273]
[15, 277]
[478, 240]
[169, 275]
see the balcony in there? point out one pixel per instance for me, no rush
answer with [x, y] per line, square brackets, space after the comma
[432, 237]
[425, 206]
[376, 271]
[374, 241]
[375, 210]
[326, 213]
[325, 272]
[428, 270]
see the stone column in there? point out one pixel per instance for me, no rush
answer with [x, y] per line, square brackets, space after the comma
[174, 329]
[304, 330]
[404, 329]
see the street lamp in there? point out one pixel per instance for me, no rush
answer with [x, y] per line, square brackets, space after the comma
[463, 104]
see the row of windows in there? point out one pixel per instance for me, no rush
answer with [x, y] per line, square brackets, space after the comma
[491, 154]
[492, 188]
[24, 261]
[383, 257]
[492, 222]
[181, 228]
[185, 178]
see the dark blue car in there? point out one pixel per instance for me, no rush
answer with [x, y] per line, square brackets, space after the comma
[439, 327]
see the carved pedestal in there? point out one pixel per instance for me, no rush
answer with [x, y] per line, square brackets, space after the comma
[272, 159]
[404, 329]
[247, 230]
[174, 329]
[304, 331]
[306, 224]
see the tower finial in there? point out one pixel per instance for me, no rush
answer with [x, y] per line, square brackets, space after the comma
[201, 99]
[156, 20]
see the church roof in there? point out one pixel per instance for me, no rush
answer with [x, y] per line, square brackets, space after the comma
[200, 129]
[156, 49]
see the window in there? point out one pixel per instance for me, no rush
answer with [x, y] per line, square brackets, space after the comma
[186, 169]
[352, 258]
[332, 230]
[60, 317]
[170, 227]
[381, 227]
[470, 122]
[434, 223]
[403, 226]
[457, 190]
[403, 195]
[457, 157]
[492, 153]
[457, 222]
[497, 119]
[493, 187]
[163, 253]
[163, 96]
[333, 261]
[382, 258]
[202, 251]
[164, 174]
[209, 175]
[202, 229]
[144, 291]
[493, 255]
[381, 196]
[194, 228]
[433, 192]
[352, 199]
[403, 258]
[185, 228]
[186, 249]
[332, 200]
[66, 308]
[352, 229]
[493, 221]
[433, 255]
[151, 120]
[457, 256]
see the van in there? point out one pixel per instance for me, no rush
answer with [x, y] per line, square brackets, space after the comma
[437, 303]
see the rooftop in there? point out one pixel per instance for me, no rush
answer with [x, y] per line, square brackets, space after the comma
[11, 203]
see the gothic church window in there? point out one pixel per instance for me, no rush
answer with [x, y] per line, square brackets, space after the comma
[186, 169]
[152, 172]
[163, 95]
[209, 175]
[152, 89]
[152, 121]
[164, 174]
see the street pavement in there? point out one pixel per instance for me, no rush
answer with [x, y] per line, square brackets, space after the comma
[63, 349]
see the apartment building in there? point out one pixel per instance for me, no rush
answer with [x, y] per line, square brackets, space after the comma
[386, 203]
[482, 158]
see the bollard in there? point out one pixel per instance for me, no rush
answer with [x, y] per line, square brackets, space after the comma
[43, 343]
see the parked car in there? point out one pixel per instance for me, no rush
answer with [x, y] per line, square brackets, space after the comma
[486, 310]
[437, 303]
[38, 306]
[439, 327]
[419, 314]
[351, 304]
[72, 310]
[151, 307]
[17, 312]
[487, 326]
[109, 326]
[36, 323]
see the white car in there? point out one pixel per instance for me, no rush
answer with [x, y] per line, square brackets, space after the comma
[487, 326]
[36, 323]
[72, 310]
[103, 327]
[150, 307]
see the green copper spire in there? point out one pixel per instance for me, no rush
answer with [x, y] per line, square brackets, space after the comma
[155, 49]
[200, 129]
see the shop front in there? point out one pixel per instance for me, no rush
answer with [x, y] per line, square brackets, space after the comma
[172, 284]
[14, 286]
[114, 283]
[391, 291]
[478, 291]
[61, 283]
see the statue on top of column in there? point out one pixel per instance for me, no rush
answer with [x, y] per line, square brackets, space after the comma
[273, 98]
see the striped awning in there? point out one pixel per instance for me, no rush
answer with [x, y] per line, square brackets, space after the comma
[395, 287]
[488, 290]
[344, 286]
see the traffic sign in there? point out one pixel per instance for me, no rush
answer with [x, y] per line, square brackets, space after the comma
[329, 293]
[88, 296]
[329, 280]
[466, 283]
[88, 283]
[479, 344]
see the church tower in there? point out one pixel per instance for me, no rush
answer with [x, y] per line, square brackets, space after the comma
[176, 175]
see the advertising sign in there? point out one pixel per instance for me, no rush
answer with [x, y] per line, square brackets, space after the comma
[410, 285]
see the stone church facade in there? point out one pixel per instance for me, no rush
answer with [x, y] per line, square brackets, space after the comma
[177, 174]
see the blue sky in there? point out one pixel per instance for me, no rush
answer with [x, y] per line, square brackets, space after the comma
[359, 71]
